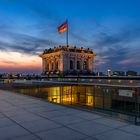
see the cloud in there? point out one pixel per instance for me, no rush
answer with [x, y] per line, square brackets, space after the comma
[24, 43]
[8, 62]
[19, 62]
[78, 37]
[119, 49]
[127, 62]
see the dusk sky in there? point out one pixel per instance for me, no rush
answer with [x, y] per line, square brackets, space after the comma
[110, 27]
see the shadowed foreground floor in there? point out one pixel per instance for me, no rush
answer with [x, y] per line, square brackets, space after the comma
[27, 118]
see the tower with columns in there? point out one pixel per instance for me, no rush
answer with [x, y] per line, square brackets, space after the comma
[67, 60]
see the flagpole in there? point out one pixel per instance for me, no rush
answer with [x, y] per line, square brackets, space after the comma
[67, 38]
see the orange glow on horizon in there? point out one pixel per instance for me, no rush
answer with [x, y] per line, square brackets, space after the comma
[19, 62]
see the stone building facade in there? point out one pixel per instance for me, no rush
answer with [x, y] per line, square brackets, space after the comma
[67, 60]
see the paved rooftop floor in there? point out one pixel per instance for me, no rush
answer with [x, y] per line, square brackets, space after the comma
[27, 118]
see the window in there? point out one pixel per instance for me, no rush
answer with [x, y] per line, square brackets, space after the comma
[56, 66]
[78, 65]
[85, 65]
[71, 64]
[47, 66]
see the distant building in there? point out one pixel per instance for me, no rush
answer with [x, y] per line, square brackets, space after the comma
[131, 73]
[118, 73]
[68, 60]
[108, 72]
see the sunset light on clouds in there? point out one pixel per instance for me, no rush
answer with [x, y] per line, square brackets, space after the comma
[109, 27]
[18, 62]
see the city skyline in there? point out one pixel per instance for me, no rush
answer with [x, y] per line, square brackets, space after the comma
[110, 28]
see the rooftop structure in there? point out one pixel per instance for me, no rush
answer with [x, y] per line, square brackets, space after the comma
[68, 60]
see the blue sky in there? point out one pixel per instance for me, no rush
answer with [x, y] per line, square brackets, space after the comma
[110, 27]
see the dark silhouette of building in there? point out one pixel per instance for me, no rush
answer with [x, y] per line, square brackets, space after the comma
[131, 73]
[118, 73]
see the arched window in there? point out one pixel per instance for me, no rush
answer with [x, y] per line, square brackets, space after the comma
[56, 65]
[85, 65]
[71, 64]
[78, 65]
[47, 66]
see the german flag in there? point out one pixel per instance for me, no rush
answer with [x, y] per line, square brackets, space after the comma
[63, 27]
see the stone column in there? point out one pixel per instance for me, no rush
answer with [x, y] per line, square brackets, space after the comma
[54, 66]
[50, 66]
[61, 67]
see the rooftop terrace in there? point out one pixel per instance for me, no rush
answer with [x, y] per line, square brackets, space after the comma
[27, 118]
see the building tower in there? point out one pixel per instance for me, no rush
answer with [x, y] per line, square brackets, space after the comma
[68, 60]
[109, 72]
